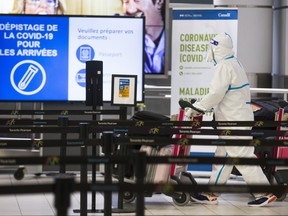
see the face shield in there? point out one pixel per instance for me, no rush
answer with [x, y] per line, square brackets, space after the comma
[209, 54]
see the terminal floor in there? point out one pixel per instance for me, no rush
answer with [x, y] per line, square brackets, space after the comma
[158, 204]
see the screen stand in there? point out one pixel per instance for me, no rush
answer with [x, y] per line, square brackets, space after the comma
[129, 208]
[94, 97]
[62, 122]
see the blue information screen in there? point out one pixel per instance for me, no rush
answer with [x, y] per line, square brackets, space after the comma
[43, 58]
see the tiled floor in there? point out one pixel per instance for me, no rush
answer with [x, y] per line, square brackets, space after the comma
[158, 204]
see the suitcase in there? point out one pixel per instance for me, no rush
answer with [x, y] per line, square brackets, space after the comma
[172, 173]
[265, 110]
[158, 173]
[149, 116]
[155, 173]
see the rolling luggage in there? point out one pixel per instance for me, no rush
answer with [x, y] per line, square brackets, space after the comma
[158, 173]
[149, 116]
[155, 173]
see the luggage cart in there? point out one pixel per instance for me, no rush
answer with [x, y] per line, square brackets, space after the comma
[269, 111]
[19, 171]
[179, 174]
[162, 173]
[281, 173]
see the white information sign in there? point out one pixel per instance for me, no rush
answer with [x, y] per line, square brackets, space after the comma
[192, 31]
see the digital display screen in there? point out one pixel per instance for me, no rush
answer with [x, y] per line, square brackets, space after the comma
[43, 57]
[155, 12]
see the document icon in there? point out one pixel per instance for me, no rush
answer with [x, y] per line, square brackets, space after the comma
[85, 53]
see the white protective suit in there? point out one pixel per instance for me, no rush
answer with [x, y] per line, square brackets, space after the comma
[229, 95]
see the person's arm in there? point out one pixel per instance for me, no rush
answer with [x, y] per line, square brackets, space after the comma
[218, 87]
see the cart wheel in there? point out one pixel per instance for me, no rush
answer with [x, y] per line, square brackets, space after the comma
[183, 200]
[129, 197]
[38, 174]
[19, 173]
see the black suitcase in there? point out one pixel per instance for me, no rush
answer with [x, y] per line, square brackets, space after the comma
[266, 109]
[149, 116]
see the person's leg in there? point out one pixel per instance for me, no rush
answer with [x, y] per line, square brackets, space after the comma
[252, 174]
[220, 175]
[220, 172]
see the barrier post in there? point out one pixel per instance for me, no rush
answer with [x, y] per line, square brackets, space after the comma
[63, 122]
[121, 167]
[64, 186]
[107, 146]
[140, 173]
[84, 134]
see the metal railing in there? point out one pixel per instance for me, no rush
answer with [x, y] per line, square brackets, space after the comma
[166, 90]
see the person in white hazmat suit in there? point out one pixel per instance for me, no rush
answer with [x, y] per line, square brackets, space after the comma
[229, 95]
